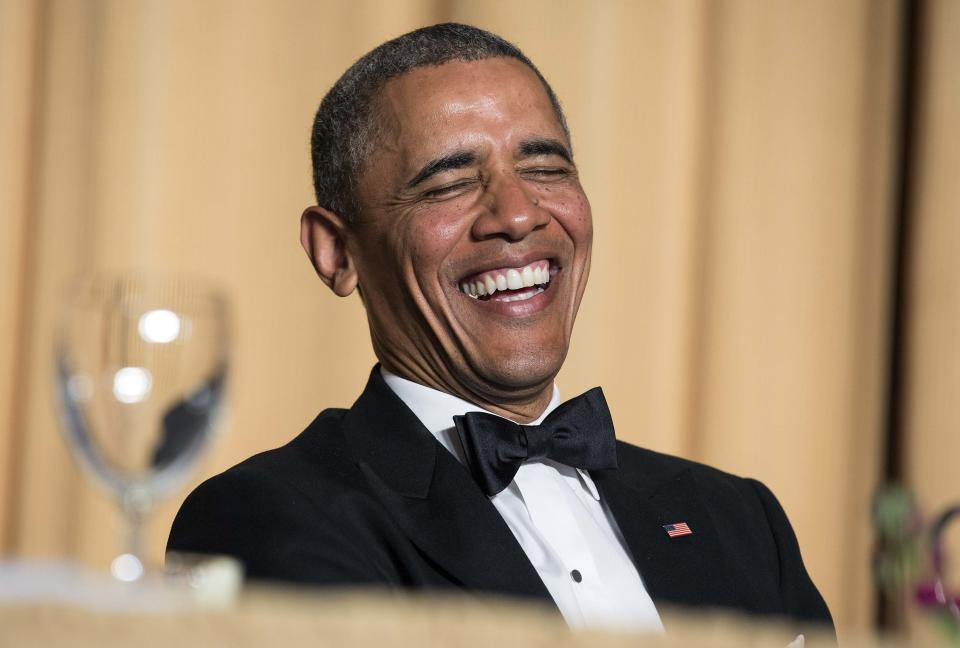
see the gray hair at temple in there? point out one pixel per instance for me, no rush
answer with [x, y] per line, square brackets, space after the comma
[345, 130]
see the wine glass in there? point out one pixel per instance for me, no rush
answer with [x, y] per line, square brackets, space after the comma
[141, 370]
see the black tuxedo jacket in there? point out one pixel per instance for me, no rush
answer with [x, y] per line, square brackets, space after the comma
[367, 496]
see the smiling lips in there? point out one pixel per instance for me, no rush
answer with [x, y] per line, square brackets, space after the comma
[509, 284]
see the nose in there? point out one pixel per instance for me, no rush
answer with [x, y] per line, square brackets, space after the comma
[512, 213]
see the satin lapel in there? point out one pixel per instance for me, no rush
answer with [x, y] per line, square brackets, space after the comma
[433, 498]
[688, 570]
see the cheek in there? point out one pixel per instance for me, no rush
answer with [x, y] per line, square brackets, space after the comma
[428, 239]
[572, 211]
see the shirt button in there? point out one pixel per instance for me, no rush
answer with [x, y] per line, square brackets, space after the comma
[576, 576]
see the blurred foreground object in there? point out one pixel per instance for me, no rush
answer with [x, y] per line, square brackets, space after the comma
[273, 617]
[141, 370]
[910, 560]
[936, 596]
[189, 582]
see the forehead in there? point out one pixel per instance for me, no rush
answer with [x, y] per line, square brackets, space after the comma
[429, 106]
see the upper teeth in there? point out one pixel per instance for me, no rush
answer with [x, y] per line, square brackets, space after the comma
[535, 274]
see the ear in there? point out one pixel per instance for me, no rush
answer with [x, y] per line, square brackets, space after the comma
[323, 236]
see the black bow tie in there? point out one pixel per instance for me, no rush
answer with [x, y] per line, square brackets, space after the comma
[579, 433]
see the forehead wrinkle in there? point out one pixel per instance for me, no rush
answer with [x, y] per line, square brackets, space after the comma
[484, 103]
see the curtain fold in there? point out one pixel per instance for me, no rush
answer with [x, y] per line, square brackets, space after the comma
[932, 383]
[20, 23]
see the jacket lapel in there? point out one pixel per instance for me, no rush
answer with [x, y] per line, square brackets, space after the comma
[687, 570]
[433, 499]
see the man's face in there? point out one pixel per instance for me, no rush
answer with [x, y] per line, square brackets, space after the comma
[472, 191]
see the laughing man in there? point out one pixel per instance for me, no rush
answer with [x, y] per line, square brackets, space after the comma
[449, 200]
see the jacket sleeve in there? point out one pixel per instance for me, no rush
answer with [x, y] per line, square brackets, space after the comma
[273, 530]
[801, 599]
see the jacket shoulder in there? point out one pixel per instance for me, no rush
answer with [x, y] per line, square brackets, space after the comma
[658, 466]
[316, 464]
[282, 512]
[320, 453]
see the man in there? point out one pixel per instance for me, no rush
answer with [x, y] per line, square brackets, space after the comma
[447, 196]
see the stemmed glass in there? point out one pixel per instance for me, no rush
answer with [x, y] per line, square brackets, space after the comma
[141, 370]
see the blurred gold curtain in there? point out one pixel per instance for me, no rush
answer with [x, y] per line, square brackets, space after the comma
[740, 157]
[931, 444]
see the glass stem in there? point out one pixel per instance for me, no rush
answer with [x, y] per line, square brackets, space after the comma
[136, 503]
[134, 532]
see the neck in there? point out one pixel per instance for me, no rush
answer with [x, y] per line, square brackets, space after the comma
[520, 412]
[523, 406]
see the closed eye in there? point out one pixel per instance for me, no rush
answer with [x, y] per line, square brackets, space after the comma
[547, 172]
[447, 191]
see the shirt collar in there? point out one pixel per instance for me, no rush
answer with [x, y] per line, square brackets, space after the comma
[436, 410]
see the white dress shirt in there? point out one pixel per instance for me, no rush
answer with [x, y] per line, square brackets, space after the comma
[556, 514]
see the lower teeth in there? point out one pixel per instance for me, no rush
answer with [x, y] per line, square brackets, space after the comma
[515, 295]
[521, 296]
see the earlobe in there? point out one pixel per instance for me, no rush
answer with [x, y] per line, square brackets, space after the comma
[323, 236]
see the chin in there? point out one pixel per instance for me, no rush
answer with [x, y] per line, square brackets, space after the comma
[524, 370]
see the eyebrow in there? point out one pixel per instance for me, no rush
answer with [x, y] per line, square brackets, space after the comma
[544, 146]
[454, 160]
[461, 159]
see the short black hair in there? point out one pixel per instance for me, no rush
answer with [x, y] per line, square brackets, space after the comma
[344, 132]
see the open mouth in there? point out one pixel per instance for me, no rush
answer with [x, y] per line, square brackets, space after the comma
[510, 284]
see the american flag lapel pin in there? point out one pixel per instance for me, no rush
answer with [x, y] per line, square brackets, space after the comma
[677, 529]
